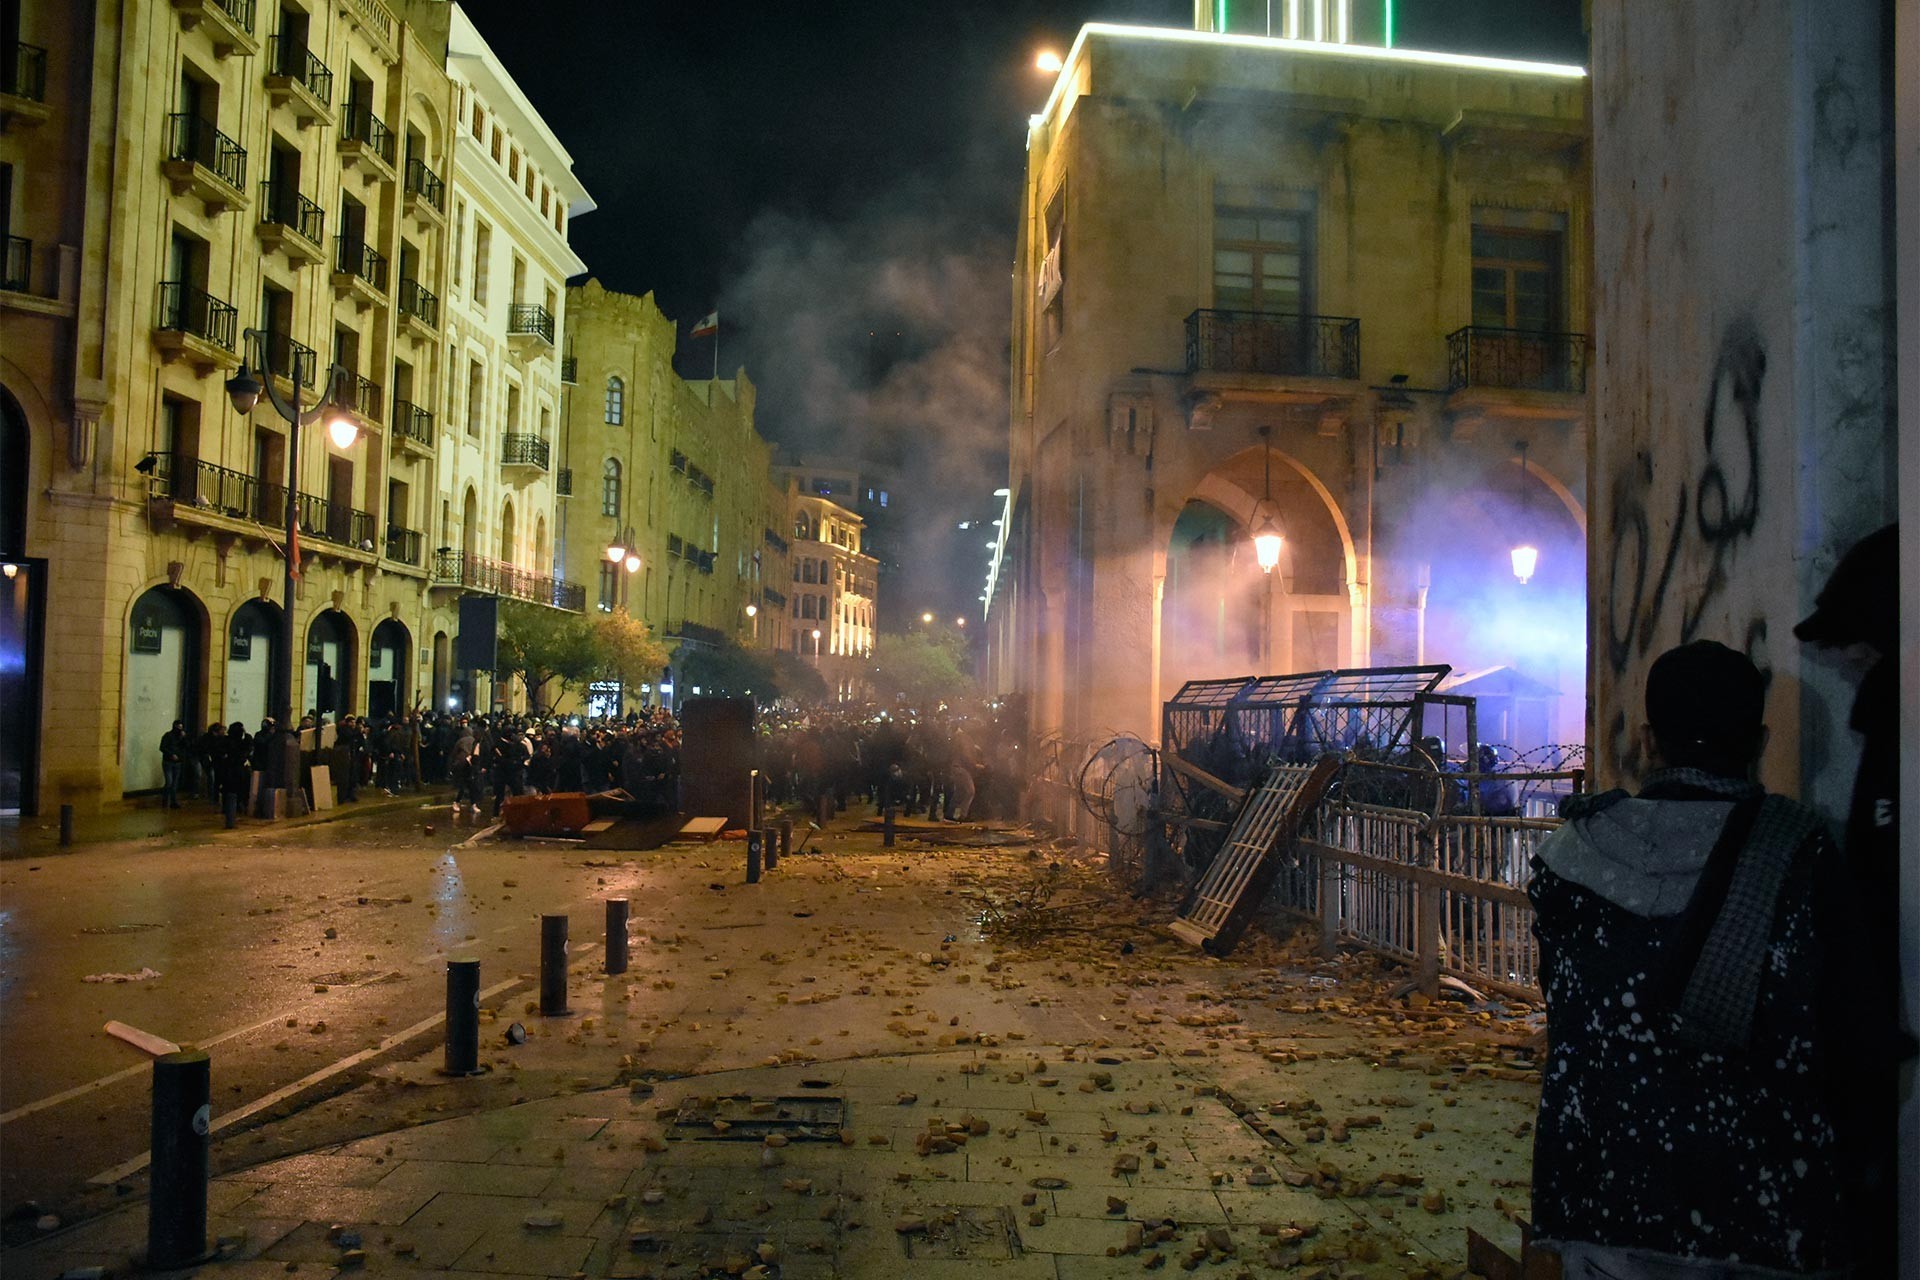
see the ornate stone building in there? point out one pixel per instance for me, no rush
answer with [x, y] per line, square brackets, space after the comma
[1331, 293]
[835, 590]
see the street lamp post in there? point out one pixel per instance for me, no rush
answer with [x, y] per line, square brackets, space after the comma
[244, 389]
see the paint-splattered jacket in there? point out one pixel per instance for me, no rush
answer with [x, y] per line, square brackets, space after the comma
[1645, 1141]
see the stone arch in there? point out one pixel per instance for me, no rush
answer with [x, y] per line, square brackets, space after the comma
[389, 654]
[1238, 500]
[470, 524]
[508, 534]
[165, 651]
[253, 649]
[332, 666]
[1557, 487]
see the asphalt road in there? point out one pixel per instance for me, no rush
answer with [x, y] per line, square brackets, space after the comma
[244, 930]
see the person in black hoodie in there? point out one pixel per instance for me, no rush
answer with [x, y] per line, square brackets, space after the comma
[235, 765]
[1695, 1115]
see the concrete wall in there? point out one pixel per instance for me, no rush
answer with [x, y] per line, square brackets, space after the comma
[1743, 431]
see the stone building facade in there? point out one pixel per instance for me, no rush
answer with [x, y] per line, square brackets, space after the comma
[1335, 292]
[834, 594]
[675, 473]
[199, 171]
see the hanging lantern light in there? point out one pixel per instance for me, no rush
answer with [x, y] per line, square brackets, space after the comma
[1525, 556]
[1267, 536]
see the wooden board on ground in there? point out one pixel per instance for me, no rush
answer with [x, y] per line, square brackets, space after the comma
[1223, 903]
[145, 1041]
[703, 828]
[322, 778]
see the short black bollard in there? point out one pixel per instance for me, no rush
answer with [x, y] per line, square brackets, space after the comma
[769, 848]
[553, 967]
[823, 808]
[463, 1017]
[617, 911]
[66, 825]
[753, 857]
[177, 1194]
[886, 827]
[786, 836]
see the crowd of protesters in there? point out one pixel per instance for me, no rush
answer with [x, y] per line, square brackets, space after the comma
[958, 763]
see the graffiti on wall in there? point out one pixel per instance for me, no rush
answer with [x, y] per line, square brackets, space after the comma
[1663, 580]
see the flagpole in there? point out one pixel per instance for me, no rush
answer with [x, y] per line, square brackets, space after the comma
[716, 357]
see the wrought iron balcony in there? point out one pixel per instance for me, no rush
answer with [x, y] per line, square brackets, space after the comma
[194, 141]
[530, 319]
[404, 545]
[23, 73]
[570, 370]
[1517, 360]
[228, 24]
[292, 61]
[294, 360]
[367, 398]
[360, 128]
[520, 450]
[494, 578]
[18, 274]
[335, 522]
[282, 206]
[1284, 345]
[424, 184]
[411, 424]
[240, 11]
[563, 483]
[355, 259]
[419, 303]
[193, 486]
[193, 312]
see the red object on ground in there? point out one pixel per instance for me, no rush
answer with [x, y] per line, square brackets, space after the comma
[564, 813]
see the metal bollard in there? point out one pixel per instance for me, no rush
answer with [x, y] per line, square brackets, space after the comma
[66, 825]
[756, 792]
[886, 827]
[617, 912]
[463, 1017]
[823, 808]
[786, 836]
[769, 848]
[553, 967]
[177, 1194]
[753, 857]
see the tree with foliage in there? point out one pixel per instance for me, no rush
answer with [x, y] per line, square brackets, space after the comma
[729, 669]
[628, 651]
[922, 668]
[543, 647]
[796, 678]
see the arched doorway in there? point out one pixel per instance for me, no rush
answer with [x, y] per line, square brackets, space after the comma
[23, 593]
[442, 671]
[1208, 619]
[506, 532]
[14, 448]
[253, 651]
[330, 665]
[164, 663]
[387, 669]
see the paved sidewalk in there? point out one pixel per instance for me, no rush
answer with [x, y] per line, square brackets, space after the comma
[977, 1161]
[145, 819]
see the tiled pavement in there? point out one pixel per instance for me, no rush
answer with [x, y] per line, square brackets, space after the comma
[608, 1184]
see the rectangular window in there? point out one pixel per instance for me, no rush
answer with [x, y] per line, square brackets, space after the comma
[1517, 278]
[482, 251]
[476, 396]
[1053, 272]
[1263, 259]
[609, 586]
[459, 244]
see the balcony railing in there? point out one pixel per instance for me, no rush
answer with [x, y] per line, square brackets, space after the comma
[1286, 345]
[530, 318]
[404, 545]
[418, 302]
[425, 183]
[563, 483]
[1517, 360]
[290, 359]
[368, 398]
[368, 129]
[23, 73]
[353, 256]
[570, 370]
[241, 11]
[282, 205]
[193, 139]
[197, 313]
[492, 577]
[519, 450]
[334, 522]
[18, 274]
[411, 422]
[292, 59]
[236, 495]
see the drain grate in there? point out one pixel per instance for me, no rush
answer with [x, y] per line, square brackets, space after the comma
[964, 1232]
[101, 929]
[739, 1118]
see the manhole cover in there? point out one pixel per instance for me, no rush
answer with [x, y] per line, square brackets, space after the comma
[964, 1232]
[356, 978]
[120, 928]
[744, 1119]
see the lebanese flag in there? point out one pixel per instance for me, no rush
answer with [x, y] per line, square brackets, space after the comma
[703, 327]
[293, 550]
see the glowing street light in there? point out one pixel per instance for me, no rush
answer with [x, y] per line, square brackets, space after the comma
[1267, 540]
[632, 562]
[753, 610]
[926, 619]
[1525, 560]
[960, 622]
[1048, 61]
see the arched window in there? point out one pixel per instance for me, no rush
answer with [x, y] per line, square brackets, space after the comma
[616, 401]
[610, 488]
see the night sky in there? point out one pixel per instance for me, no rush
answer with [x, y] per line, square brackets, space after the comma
[842, 180]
